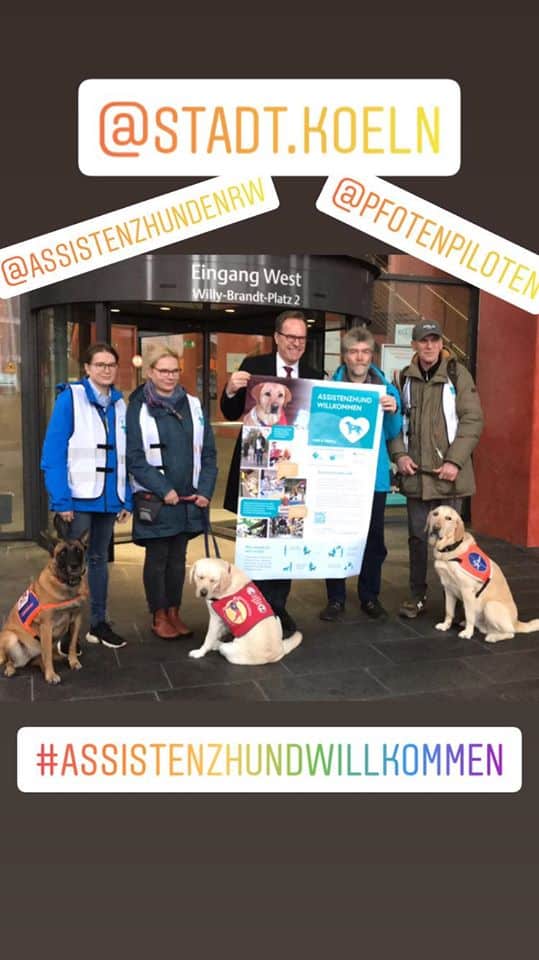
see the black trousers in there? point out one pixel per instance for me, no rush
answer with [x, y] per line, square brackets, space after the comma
[276, 593]
[164, 571]
[418, 545]
[370, 578]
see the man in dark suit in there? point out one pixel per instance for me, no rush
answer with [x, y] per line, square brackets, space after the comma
[291, 340]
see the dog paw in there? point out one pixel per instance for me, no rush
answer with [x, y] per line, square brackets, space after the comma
[53, 678]
[466, 634]
[75, 665]
[444, 625]
[196, 654]
[10, 670]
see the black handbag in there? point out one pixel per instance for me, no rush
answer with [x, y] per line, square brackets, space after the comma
[148, 506]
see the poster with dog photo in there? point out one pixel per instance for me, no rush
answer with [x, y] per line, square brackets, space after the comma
[308, 465]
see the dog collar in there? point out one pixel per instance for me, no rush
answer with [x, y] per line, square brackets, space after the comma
[450, 546]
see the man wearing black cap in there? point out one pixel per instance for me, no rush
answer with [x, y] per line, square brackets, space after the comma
[442, 423]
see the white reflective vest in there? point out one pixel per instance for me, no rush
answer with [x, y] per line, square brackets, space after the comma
[449, 409]
[152, 442]
[87, 448]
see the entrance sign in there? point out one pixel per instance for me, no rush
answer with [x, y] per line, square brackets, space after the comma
[309, 451]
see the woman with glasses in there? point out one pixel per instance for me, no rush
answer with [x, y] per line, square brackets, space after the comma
[85, 473]
[171, 460]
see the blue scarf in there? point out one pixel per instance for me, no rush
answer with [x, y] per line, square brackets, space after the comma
[154, 399]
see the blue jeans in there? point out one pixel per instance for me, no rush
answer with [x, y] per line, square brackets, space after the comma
[101, 526]
[370, 577]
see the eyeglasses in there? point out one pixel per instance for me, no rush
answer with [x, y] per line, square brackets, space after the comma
[166, 373]
[104, 366]
[291, 338]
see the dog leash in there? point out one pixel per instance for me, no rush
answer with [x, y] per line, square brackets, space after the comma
[208, 532]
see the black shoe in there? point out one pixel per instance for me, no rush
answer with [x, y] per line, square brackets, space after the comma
[413, 607]
[333, 611]
[373, 609]
[103, 633]
[287, 623]
[63, 647]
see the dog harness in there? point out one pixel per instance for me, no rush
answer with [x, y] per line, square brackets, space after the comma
[29, 607]
[241, 611]
[475, 563]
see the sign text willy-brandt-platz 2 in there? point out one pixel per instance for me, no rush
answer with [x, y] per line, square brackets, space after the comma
[261, 285]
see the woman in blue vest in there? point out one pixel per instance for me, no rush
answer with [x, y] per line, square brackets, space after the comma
[84, 463]
[170, 454]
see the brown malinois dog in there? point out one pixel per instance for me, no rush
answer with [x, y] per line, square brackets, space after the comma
[48, 609]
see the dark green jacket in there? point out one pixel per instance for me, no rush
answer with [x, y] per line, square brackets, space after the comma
[428, 443]
[177, 452]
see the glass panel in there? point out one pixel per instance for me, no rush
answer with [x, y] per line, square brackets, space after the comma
[63, 339]
[11, 476]
[398, 305]
[335, 327]
[227, 350]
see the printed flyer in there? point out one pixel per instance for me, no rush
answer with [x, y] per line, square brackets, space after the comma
[309, 452]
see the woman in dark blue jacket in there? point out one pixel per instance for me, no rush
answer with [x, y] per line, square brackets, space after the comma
[170, 455]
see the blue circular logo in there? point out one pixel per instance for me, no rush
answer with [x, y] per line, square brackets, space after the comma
[478, 562]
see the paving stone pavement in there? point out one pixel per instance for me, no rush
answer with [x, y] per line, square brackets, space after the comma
[396, 660]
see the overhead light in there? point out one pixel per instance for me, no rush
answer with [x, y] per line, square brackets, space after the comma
[165, 308]
[136, 360]
[114, 309]
[230, 310]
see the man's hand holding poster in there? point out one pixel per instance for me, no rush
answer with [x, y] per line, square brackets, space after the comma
[309, 451]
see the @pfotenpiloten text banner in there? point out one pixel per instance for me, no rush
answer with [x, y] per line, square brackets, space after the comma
[269, 760]
[430, 233]
[130, 231]
[281, 127]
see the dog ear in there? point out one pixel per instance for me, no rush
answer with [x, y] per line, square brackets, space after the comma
[48, 541]
[287, 395]
[459, 528]
[192, 573]
[61, 526]
[84, 538]
[429, 521]
[255, 392]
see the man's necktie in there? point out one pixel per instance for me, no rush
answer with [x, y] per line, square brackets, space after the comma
[288, 371]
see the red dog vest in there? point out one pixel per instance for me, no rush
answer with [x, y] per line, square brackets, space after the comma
[241, 611]
[476, 563]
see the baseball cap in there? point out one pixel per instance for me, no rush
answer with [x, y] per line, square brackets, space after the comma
[426, 328]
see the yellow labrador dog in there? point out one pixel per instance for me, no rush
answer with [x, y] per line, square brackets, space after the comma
[243, 611]
[467, 574]
[270, 401]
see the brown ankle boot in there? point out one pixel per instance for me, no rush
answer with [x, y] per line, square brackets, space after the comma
[162, 626]
[173, 614]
